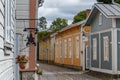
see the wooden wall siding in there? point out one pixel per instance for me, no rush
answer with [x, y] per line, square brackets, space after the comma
[6, 62]
[22, 12]
[64, 38]
[107, 24]
[45, 50]
[52, 47]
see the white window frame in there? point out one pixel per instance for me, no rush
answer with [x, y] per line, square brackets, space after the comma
[100, 19]
[95, 49]
[106, 48]
[70, 47]
[60, 49]
[8, 19]
[65, 47]
[56, 52]
[77, 47]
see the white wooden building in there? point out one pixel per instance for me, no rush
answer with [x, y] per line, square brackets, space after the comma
[7, 38]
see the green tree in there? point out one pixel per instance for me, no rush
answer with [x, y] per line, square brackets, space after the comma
[80, 16]
[42, 34]
[108, 1]
[105, 1]
[58, 24]
[42, 23]
[117, 1]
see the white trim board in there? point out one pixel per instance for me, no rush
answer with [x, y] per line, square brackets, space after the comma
[114, 50]
[97, 32]
[102, 70]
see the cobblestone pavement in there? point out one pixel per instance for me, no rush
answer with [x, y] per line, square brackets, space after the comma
[51, 72]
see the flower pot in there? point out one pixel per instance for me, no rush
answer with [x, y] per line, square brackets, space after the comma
[22, 65]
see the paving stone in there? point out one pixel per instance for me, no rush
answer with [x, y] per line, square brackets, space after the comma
[51, 72]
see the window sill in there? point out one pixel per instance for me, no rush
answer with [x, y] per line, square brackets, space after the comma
[7, 49]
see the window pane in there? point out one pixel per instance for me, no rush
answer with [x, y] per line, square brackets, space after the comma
[94, 49]
[77, 47]
[70, 48]
[106, 48]
[65, 47]
[60, 49]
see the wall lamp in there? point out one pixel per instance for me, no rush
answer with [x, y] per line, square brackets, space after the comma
[30, 38]
[40, 2]
[31, 29]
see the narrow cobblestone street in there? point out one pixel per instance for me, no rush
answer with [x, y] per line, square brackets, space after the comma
[51, 72]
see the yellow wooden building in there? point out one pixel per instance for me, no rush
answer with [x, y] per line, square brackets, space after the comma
[68, 45]
[45, 50]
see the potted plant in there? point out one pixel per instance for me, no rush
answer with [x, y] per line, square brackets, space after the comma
[39, 71]
[22, 60]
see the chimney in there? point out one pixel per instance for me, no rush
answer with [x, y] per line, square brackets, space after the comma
[87, 12]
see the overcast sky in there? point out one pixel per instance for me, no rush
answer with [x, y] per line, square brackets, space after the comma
[53, 9]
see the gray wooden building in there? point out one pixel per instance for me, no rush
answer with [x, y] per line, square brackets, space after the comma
[104, 39]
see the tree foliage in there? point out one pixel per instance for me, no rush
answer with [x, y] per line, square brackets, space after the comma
[42, 23]
[117, 1]
[42, 34]
[57, 24]
[105, 1]
[80, 16]
[108, 1]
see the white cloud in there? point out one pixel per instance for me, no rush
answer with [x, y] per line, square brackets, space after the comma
[52, 9]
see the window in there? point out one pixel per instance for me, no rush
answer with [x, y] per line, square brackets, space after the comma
[65, 47]
[106, 48]
[56, 52]
[77, 47]
[94, 49]
[70, 48]
[60, 49]
[100, 19]
[8, 16]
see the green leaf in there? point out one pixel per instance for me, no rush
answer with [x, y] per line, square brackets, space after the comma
[58, 24]
[80, 16]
